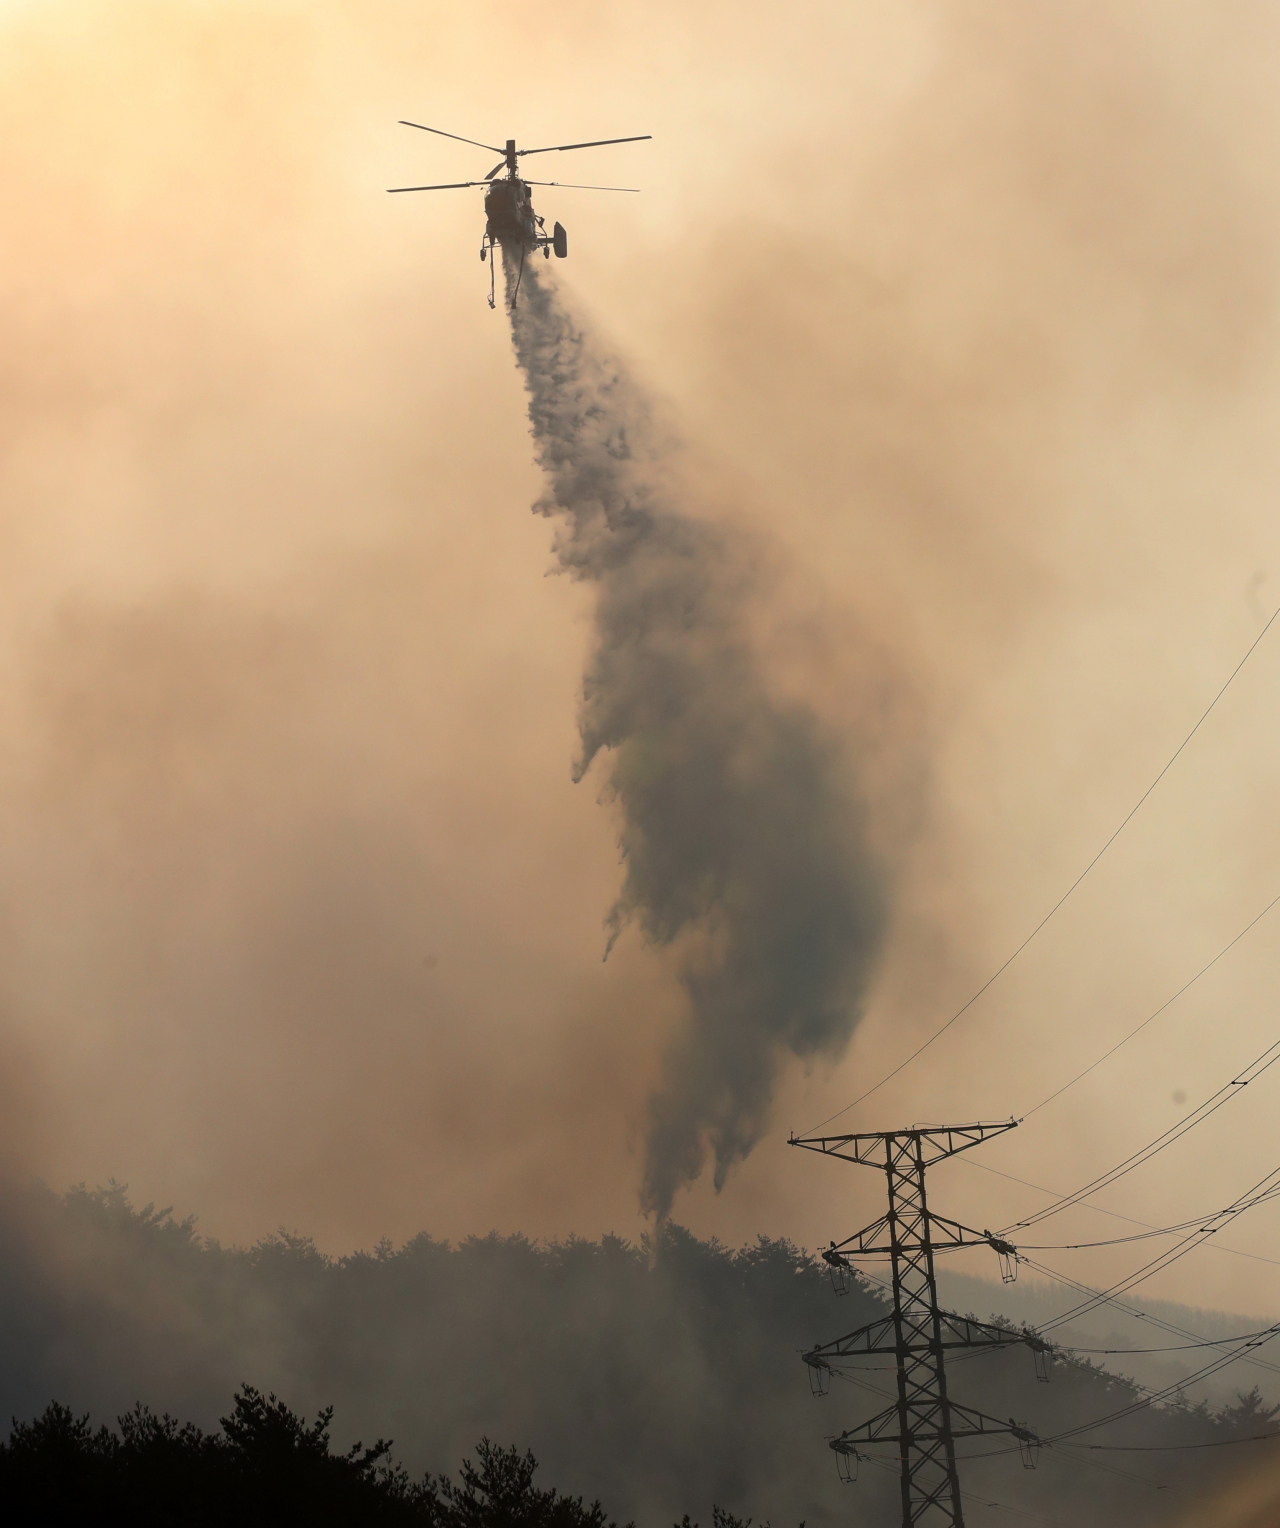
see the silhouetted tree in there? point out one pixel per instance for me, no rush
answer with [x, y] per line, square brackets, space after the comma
[500, 1493]
[266, 1465]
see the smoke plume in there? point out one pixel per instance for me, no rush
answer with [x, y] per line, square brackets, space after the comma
[741, 839]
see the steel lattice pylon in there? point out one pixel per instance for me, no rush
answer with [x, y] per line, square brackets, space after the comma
[909, 1234]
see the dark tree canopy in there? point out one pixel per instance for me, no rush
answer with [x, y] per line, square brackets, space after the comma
[265, 1465]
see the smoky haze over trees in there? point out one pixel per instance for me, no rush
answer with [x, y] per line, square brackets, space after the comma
[741, 839]
[658, 1389]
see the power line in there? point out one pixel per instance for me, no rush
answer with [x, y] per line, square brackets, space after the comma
[1111, 1214]
[1267, 1194]
[1185, 1347]
[1109, 1469]
[1139, 1315]
[1156, 1396]
[1063, 1444]
[1124, 1241]
[1264, 1189]
[1180, 1448]
[960, 1012]
[1106, 1055]
[1175, 1132]
[1166, 1259]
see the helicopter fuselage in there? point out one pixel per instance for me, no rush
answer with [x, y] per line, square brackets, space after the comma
[511, 221]
[508, 209]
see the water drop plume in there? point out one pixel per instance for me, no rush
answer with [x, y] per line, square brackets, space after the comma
[742, 839]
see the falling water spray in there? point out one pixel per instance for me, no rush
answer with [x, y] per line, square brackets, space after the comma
[742, 839]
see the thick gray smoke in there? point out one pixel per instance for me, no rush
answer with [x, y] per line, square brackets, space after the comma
[740, 834]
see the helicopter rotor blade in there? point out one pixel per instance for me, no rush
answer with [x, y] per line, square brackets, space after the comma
[456, 185]
[568, 185]
[500, 165]
[455, 136]
[559, 148]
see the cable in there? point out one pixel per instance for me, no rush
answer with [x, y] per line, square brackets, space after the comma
[1095, 1298]
[960, 1012]
[1168, 1448]
[1079, 1451]
[1140, 1315]
[1106, 1055]
[1099, 1210]
[1120, 1241]
[1175, 1132]
[1166, 1259]
[1184, 1347]
[1152, 1399]
[1110, 1469]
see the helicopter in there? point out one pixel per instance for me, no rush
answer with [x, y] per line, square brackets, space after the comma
[508, 203]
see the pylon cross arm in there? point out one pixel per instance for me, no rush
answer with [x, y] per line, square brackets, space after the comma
[935, 1141]
[875, 1337]
[870, 1431]
[863, 1243]
[867, 1150]
[971, 1333]
[967, 1423]
[947, 1140]
[980, 1424]
[945, 1235]
[956, 1332]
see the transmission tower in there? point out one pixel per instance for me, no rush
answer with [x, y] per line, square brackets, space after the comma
[917, 1332]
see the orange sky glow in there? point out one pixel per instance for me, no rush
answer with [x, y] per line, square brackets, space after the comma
[969, 318]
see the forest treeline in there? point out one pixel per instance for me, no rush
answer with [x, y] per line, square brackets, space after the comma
[265, 1464]
[658, 1384]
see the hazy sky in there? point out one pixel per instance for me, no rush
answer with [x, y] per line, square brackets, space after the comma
[969, 312]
